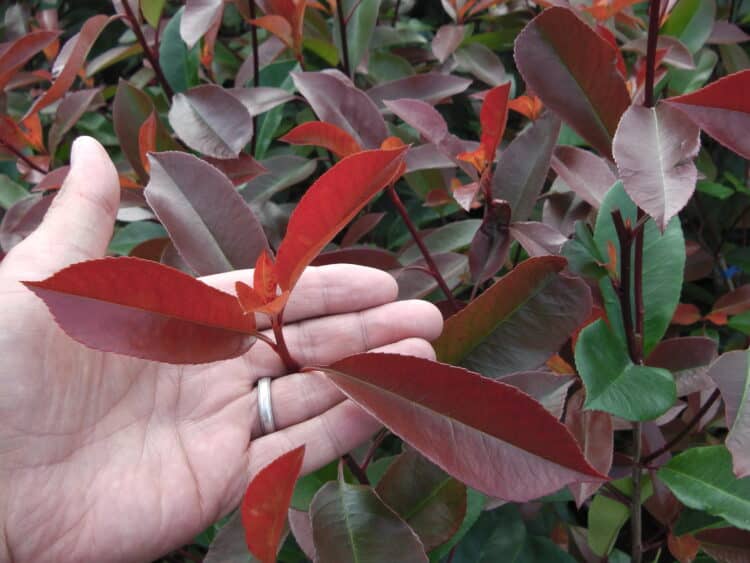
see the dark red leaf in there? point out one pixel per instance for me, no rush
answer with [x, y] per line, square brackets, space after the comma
[683, 548]
[574, 71]
[721, 109]
[336, 100]
[492, 425]
[654, 149]
[732, 303]
[523, 166]
[493, 117]
[538, 239]
[301, 528]
[20, 220]
[588, 175]
[329, 204]
[208, 221]
[266, 502]
[549, 389]
[688, 358]
[211, 121]
[446, 41]
[726, 544]
[361, 227]
[147, 310]
[70, 110]
[430, 501]
[730, 372]
[490, 245]
[430, 87]
[322, 134]
[686, 314]
[519, 322]
[239, 170]
[364, 256]
[416, 282]
[74, 57]
[594, 432]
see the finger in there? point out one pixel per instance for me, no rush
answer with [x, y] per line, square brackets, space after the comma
[79, 223]
[326, 437]
[324, 340]
[301, 396]
[324, 290]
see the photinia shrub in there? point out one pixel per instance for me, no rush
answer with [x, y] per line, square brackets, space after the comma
[565, 180]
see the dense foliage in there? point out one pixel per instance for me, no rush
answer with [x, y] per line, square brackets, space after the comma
[566, 180]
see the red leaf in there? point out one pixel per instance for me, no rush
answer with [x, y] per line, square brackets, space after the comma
[239, 170]
[324, 135]
[605, 9]
[278, 26]
[147, 310]
[75, 57]
[654, 150]
[266, 501]
[147, 139]
[529, 106]
[430, 87]
[686, 314]
[360, 227]
[732, 303]
[329, 204]
[721, 109]
[538, 239]
[491, 243]
[493, 117]
[446, 40]
[726, 544]
[574, 72]
[264, 276]
[493, 425]
[684, 548]
[608, 36]
[334, 99]
[18, 53]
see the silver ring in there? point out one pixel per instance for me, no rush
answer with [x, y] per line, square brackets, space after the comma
[265, 410]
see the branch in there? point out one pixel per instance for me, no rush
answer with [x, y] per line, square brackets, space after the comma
[256, 67]
[18, 154]
[149, 54]
[344, 41]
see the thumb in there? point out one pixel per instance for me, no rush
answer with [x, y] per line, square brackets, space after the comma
[78, 225]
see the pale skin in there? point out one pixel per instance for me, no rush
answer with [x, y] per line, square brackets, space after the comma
[109, 458]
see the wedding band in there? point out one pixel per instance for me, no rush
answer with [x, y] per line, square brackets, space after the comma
[265, 410]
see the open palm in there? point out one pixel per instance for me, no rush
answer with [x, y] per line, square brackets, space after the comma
[110, 458]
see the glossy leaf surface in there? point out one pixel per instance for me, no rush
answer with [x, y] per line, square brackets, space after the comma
[614, 384]
[428, 87]
[523, 166]
[209, 222]
[731, 372]
[350, 523]
[586, 174]
[338, 102]
[211, 121]
[431, 502]
[519, 322]
[141, 308]
[266, 502]
[329, 204]
[415, 398]
[702, 478]
[654, 149]
[574, 71]
[21, 50]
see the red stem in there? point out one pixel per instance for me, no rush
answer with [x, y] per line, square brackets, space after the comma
[256, 68]
[30, 163]
[653, 36]
[277, 322]
[148, 53]
[425, 252]
[344, 40]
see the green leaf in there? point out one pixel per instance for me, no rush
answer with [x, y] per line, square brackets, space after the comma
[615, 384]
[714, 189]
[10, 192]
[152, 10]
[691, 521]
[133, 234]
[691, 21]
[384, 67]
[741, 322]
[663, 267]
[180, 64]
[359, 28]
[276, 75]
[607, 516]
[702, 478]
[683, 81]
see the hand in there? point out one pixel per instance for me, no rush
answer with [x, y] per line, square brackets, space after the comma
[109, 458]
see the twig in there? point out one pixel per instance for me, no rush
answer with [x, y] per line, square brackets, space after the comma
[356, 470]
[344, 41]
[17, 153]
[256, 68]
[685, 431]
[396, 9]
[425, 252]
[616, 494]
[147, 51]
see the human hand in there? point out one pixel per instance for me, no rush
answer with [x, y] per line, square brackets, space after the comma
[109, 458]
